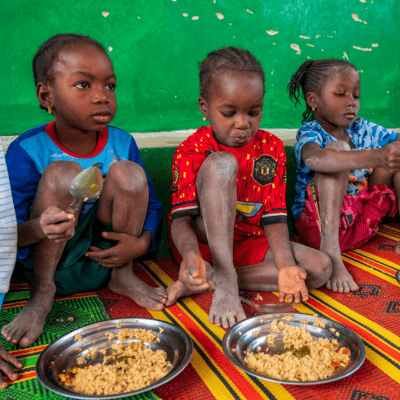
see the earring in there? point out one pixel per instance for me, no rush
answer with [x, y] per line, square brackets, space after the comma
[49, 110]
[204, 118]
[313, 109]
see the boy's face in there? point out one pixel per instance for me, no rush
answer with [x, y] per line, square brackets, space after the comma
[83, 90]
[234, 106]
[338, 102]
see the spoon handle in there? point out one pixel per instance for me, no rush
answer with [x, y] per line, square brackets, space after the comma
[75, 206]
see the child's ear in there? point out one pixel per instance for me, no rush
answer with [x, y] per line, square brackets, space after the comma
[311, 99]
[203, 106]
[44, 95]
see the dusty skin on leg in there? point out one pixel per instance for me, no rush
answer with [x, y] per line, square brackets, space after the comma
[27, 326]
[123, 203]
[332, 189]
[216, 191]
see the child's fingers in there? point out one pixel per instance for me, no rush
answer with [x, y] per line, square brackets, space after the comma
[11, 359]
[57, 217]
[289, 298]
[9, 372]
[95, 252]
[304, 293]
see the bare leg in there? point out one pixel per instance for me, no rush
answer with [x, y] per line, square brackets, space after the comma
[216, 190]
[27, 326]
[332, 189]
[381, 175]
[123, 203]
[263, 277]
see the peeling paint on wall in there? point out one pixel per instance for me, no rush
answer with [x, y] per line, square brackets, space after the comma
[219, 16]
[362, 48]
[272, 33]
[295, 47]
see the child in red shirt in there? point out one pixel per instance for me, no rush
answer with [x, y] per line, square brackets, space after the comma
[228, 205]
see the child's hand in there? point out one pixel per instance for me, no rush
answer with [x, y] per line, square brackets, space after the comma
[391, 157]
[126, 249]
[291, 282]
[6, 358]
[192, 272]
[57, 224]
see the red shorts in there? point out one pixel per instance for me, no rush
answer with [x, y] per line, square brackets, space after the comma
[360, 217]
[247, 250]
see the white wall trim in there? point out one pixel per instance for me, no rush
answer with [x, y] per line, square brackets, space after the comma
[174, 138]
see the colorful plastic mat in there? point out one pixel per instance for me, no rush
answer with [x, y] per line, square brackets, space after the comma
[67, 314]
[373, 313]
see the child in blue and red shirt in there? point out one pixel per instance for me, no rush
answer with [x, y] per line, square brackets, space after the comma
[64, 251]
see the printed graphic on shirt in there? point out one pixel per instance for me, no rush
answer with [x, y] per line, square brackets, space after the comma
[248, 209]
[285, 177]
[176, 179]
[264, 169]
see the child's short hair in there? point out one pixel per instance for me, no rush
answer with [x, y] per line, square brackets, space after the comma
[310, 77]
[47, 54]
[228, 59]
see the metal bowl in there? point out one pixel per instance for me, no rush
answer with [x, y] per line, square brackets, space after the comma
[248, 335]
[62, 354]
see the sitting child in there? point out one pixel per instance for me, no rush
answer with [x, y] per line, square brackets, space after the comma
[228, 204]
[71, 252]
[8, 250]
[347, 167]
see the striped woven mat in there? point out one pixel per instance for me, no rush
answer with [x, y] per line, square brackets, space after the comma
[373, 313]
[67, 314]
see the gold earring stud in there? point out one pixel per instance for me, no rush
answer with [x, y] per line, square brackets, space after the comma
[204, 118]
[313, 109]
[49, 110]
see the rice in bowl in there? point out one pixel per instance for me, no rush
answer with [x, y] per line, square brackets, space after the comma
[305, 359]
[129, 367]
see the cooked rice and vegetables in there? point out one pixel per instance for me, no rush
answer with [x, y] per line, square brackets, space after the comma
[129, 367]
[306, 359]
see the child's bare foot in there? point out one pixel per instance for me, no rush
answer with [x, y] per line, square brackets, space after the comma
[27, 326]
[124, 281]
[225, 310]
[341, 281]
[178, 289]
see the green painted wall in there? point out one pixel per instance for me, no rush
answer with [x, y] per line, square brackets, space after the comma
[157, 44]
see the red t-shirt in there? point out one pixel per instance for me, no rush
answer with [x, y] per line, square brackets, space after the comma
[261, 180]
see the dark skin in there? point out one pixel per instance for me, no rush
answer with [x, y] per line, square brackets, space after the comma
[83, 101]
[5, 360]
[234, 108]
[336, 106]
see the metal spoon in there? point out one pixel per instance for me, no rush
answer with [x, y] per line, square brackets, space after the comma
[87, 185]
[268, 308]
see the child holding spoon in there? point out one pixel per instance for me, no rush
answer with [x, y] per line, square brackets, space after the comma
[62, 251]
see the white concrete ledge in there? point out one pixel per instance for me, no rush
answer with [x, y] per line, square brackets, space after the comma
[174, 138]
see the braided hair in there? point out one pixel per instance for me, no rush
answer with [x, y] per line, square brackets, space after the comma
[48, 52]
[310, 77]
[228, 59]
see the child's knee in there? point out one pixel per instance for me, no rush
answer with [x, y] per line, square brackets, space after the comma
[59, 174]
[127, 175]
[222, 165]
